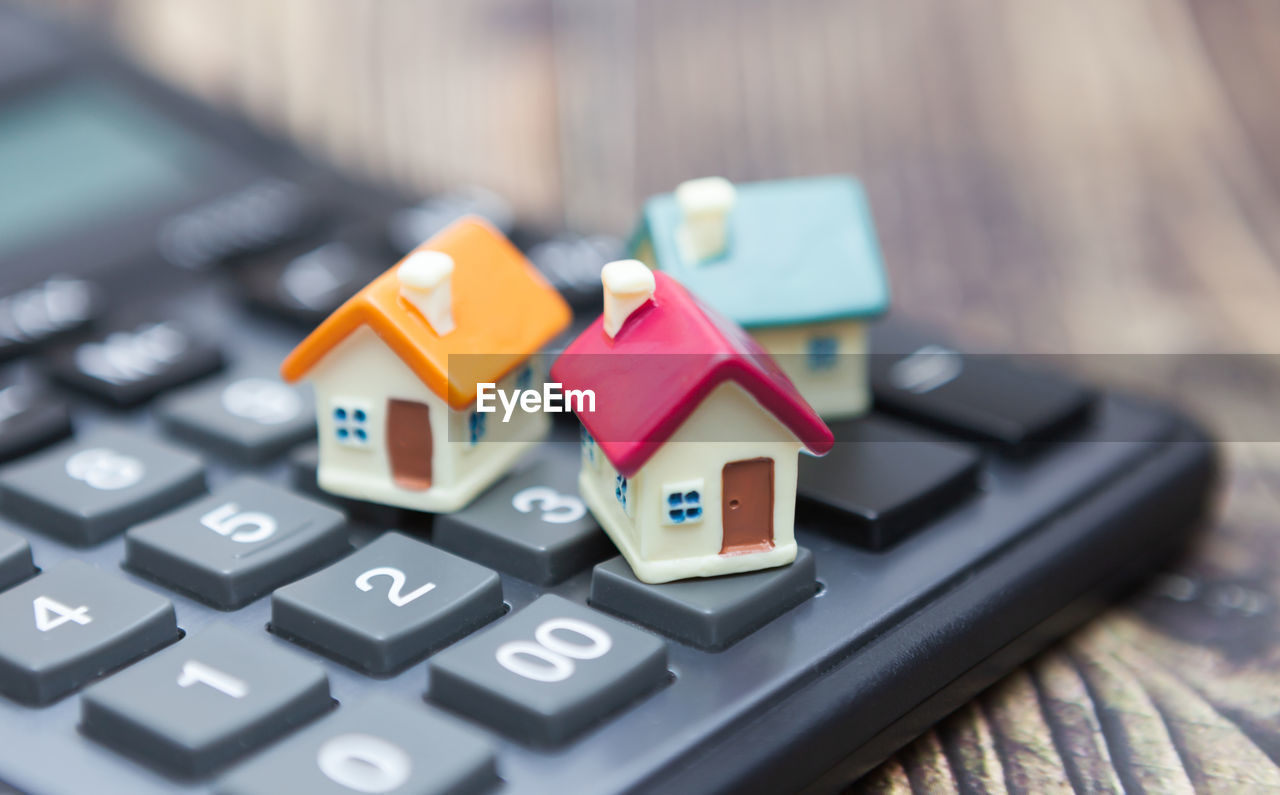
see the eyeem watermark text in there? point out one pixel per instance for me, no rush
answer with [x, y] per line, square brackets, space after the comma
[553, 398]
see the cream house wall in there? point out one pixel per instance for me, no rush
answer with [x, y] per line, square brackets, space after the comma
[363, 370]
[835, 393]
[728, 426]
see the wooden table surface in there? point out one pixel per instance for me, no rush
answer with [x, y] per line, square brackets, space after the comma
[1055, 176]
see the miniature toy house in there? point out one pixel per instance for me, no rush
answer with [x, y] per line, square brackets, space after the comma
[795, 262]
[396, 371]
[689, 460]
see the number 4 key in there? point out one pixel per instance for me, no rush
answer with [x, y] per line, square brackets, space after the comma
[51, 614]
[72, 623]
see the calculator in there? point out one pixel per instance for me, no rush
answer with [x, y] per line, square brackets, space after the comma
[182, 609]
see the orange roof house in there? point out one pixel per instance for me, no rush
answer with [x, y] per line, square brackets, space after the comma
[397, 368]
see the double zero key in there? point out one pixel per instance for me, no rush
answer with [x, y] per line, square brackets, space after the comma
[548, 672]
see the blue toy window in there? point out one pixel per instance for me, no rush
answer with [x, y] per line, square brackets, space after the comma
[682, 502]
[620, 491]
[475, 427]
[588, 443]
[822, 353]
[351, 423]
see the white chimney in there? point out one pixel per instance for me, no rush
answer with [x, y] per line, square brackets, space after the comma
[628, 283]
[424, 282]
[705, 205]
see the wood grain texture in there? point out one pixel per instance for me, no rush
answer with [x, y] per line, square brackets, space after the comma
[1087, 176]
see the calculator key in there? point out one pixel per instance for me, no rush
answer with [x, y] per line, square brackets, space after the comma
[304, 461]
[532, 524]
[29, 420]
[380, 745]
[979, 397]
[306, 283]
[84, 491]
[548, 672]
[48, 311]
[206, 700]
[884, 479]
[15, 556]
[710, 613]
[572, 264]
[411, 226]
[236, 545]
[247, 419]
[131, 366]
[394, 600]
[267, 213]
[73, 623]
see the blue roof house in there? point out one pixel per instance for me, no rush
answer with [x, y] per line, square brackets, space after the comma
[795, 262]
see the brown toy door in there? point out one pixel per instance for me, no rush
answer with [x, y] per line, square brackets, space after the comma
[409, 444]
[747, 506]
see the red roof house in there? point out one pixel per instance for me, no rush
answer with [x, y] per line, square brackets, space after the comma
[689, 458]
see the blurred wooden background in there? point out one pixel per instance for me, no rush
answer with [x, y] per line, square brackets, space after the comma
[1048, 175]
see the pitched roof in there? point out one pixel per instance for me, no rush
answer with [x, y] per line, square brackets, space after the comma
[504, 311]
[800, 250]
[664, 361]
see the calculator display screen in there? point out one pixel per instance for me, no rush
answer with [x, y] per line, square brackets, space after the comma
[85, 152]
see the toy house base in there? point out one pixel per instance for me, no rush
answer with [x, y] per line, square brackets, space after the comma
[441, 498]
[609, 514]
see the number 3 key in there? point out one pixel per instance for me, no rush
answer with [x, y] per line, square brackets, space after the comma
[532, 525]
